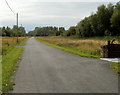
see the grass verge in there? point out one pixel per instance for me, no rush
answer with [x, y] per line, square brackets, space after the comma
[9, 65]
[82, 53]
[116, 67]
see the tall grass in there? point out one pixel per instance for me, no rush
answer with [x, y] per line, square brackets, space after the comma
[89, 47]
[9, 42]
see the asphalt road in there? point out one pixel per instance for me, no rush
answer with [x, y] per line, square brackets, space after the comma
[44, 69]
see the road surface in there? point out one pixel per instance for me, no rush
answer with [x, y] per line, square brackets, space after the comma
[44, 69]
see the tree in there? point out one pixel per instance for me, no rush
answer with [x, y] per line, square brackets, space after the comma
[18, 31]
[94, 24]
[115, 22]
[104, 22]
[61, 30]
[117, 6]
[84, 28]
[47, 31]
[3, 31]
[103, 19]
[21, 31]
[8, 32]
[0, 31]
[71, 31]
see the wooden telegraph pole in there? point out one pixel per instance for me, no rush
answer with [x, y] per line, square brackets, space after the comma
[17, 19]
[17, 27]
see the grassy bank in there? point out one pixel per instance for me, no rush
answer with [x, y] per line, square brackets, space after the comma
[87, 47]
[116, 67]
[9, 42]
[82, 47]
[71, 50]
[10, 58]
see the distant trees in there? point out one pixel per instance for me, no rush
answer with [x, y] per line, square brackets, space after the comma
[15, 31]
[3, 31]
[47, 31]
[71, 31]
[105, 22]
[60, 31]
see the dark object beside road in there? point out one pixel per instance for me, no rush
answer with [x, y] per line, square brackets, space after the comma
[111, 50]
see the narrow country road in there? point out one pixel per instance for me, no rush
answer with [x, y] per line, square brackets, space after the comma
[44, 69]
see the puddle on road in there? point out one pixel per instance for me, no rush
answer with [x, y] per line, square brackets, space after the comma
[111, 59]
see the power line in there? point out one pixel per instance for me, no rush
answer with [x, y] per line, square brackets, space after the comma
[13, 12]
[9, 6]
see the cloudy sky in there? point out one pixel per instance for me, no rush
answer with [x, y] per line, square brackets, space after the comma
[33, 13]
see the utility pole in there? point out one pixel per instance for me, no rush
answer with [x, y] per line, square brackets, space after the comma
[17, 19]
[17, 27]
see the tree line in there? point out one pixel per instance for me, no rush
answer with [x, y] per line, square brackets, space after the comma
[105, 22]
[47, 31]
[13, 32]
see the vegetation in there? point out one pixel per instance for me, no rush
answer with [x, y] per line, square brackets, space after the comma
[14, 32]
[69, 49]
[47, 31]
[88, 47]
[105, 22]
[116, 67]
[10, 56]
[9, 42]
[11, 37]
[89, 34]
